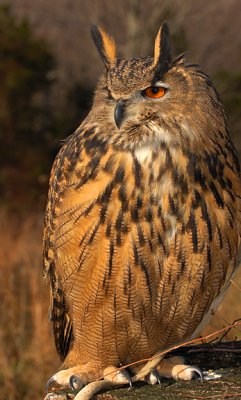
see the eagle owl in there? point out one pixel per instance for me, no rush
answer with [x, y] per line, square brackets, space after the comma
[142, 227]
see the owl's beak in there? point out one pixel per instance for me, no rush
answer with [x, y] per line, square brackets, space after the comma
[119, 113]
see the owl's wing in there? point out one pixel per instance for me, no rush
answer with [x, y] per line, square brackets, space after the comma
[59, 315]
[68, 227]
[84, 224]
[58, 312]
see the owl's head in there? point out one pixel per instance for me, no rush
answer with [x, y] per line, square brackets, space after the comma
[154, 99]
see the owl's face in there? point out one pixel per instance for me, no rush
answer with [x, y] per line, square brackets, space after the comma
[154, 99]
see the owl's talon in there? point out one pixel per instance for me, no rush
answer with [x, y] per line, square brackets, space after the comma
[129, 380]
[68, 379]
[153, 377]
[75, 383]
[198, 372]
[125, 377]
[156, 375]
[186, 372]
[50, 384]
[113, 374]
[54, 385]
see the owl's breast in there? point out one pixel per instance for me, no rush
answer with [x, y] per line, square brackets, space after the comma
[148, 240]
[194, 206]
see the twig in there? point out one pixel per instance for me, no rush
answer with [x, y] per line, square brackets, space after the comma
[235, 284]
[229, 329]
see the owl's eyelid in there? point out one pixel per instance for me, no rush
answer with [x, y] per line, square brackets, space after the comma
[161, 84]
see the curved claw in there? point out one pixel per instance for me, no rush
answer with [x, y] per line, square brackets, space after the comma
[129, 381]
[153, 377]
[48, 384]
[157, 376]
[75, 383]
[118, 376]
[198, 371]
[124, 374]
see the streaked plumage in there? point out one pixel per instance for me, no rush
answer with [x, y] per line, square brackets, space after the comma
[142, 228]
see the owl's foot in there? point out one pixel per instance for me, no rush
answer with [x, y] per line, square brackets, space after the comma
[73, 379]
[173, 367]
[68, 379]
[153, 377]
[115, 375]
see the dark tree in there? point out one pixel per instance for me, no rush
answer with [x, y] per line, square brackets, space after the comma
[25, 69]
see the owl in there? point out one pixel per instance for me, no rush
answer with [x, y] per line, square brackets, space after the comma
[142, 226]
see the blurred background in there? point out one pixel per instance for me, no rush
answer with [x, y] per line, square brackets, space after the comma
[48, 70]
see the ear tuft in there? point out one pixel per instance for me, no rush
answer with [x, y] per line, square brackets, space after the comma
[105, 45]
[162, 50]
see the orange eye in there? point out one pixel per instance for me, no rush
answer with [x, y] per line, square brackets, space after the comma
[154, 92]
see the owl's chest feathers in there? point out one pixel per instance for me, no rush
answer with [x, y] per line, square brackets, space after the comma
[183, 191]
[154, 188]
[164, 174]
[144, 154]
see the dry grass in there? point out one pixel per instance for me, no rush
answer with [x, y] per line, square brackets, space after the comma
[27, 354]
[228, 312]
